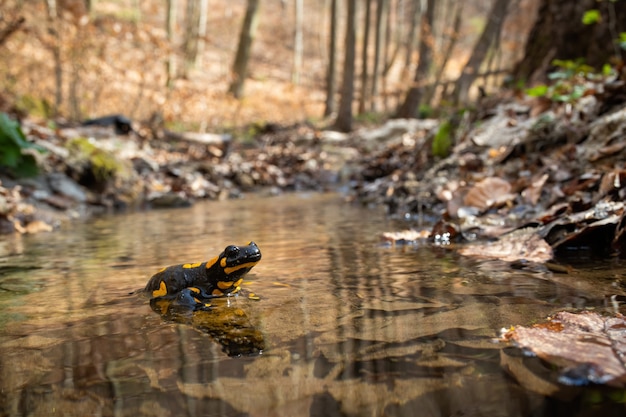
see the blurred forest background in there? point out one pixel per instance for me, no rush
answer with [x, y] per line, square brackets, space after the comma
[211, 65]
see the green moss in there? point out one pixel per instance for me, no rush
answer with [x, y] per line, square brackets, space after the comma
[104, 165]
[442, 141]
[34, 106]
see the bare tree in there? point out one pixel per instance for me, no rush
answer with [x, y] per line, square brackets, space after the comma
[298, 42]
[54, 22]
[331, 87]
[412, 101]
[202, 31]
[190, 43]
[171, 28]
[9, 27]
[364, 57]
[452, 34]
[344, 113]
[412, 35]
[487, 38]
[246, 37]
[382, 9]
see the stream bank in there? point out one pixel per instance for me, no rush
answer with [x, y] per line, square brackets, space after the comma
[553, 169]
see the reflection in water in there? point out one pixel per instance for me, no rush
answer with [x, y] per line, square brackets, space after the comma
[224, 321]
[347, 327]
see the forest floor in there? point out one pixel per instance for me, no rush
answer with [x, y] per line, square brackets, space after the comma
[551, 173]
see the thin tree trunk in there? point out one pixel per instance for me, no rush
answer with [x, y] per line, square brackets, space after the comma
[246, 37]
[298, 42]
[10, 28]
[344, 114]
[414, 96]
[364, 57]
[388, 56]
[171, 28]
[382, 8]
[55, 29]
[331, 82]
[411, 37]
[202, 31]
[190, 46]
[453, 37]
[487, 38]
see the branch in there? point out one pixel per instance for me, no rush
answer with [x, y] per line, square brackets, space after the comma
[11, 28]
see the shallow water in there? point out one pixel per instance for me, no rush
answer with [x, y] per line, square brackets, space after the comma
[348, 326]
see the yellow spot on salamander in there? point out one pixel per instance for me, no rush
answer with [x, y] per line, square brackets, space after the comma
[232, 269]
[194, 265]
[236, 290]
[194, 289]
[212, 262]
[162, 291]
[223, 263]
[238, 282]
[162, 269]
[217, 292]
[224, 285]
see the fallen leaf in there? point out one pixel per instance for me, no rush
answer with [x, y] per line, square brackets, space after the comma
[521, 244]
[405, 236]
[532, 193]
[586, 347]
[489, 192]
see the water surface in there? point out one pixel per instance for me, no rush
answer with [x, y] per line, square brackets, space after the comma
[348, 326]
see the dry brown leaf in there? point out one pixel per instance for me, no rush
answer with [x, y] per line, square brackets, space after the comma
[405, 236]
[489, 192]
[532, 193]
[522, 244]
[587, 347]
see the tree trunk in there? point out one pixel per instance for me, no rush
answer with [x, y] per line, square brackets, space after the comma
[487, 38]
[246, 37]
[171, 27]
[411, 37]
[10, 28]
[559, 33]
[190, 46]
[344, 114]
[364, 57]
[382, 9]
[54, 20]
[202, 31]
[298, 42]
[413, 97]
[331, 87]
[453, 36]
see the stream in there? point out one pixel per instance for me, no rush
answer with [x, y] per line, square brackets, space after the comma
[347, 325]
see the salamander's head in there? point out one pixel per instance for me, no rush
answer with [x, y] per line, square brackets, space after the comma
[228, 269]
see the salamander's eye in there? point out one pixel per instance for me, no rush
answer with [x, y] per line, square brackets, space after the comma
[231, 251]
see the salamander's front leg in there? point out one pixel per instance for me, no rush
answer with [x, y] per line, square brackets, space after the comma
[192, 297]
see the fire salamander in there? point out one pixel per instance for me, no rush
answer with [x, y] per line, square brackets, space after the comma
[193, 283]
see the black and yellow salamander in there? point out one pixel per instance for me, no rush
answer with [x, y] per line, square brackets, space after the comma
[196, 282]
